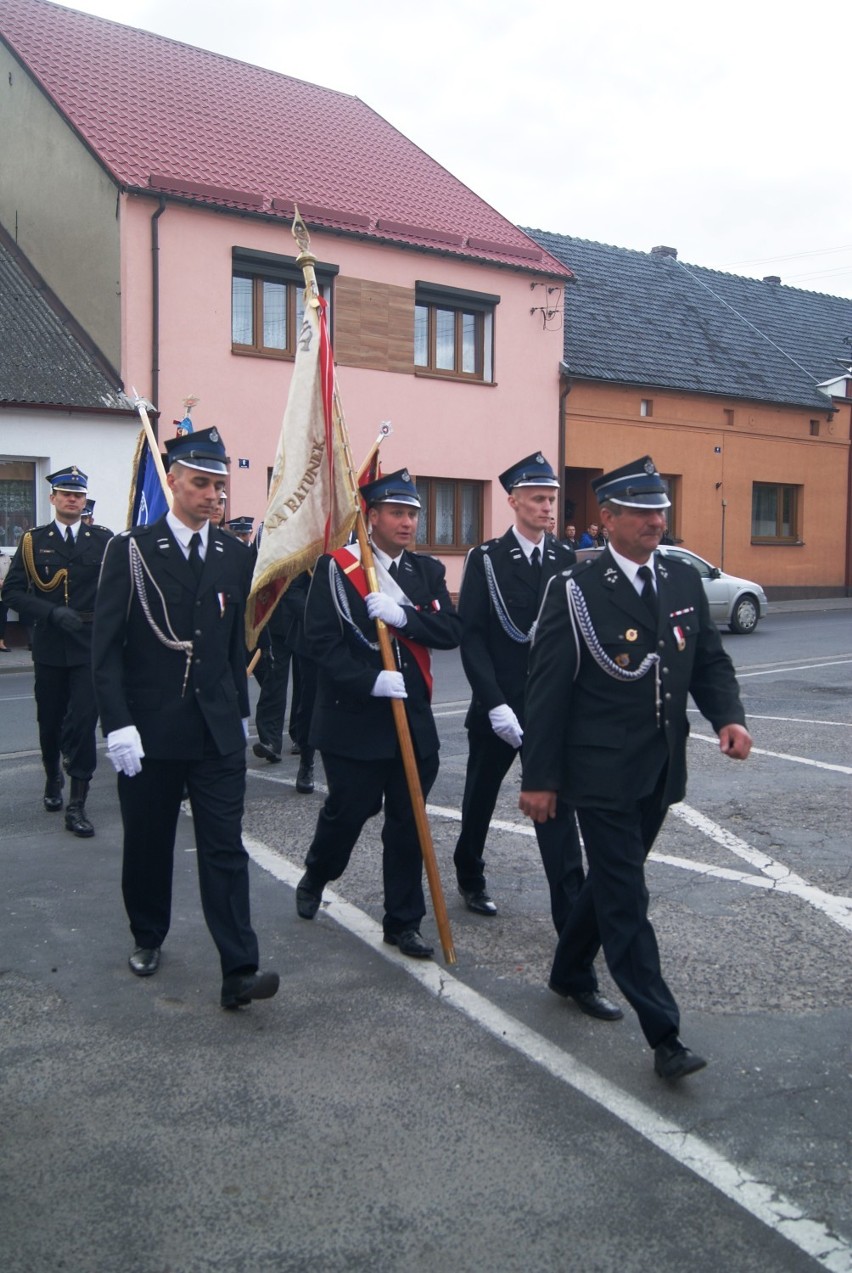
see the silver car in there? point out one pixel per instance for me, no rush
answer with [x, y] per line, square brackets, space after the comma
[738, 602]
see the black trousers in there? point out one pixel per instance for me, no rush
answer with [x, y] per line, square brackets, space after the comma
[304, 694]
[61, 690]
[612, 911]
[274, 669]
[356, 789]
[150, 807]
[489, 760]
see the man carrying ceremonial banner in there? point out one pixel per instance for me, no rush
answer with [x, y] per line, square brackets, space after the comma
[313, 506]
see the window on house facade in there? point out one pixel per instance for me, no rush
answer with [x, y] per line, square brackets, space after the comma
[775, 512]
[646, 406]
[450, 516]
[17, 501]
[454, 332]
[728, 416]
[672, 485]
[267, 302]
[814, 428]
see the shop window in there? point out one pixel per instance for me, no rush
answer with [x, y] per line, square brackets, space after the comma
[17, 501]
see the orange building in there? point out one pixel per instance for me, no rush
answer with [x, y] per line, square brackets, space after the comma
[737, 389]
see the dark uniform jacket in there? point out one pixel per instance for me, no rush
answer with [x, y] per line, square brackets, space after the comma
[595, 739]
[347, 720]
[495, 664]
[138, 679]
[35, 599]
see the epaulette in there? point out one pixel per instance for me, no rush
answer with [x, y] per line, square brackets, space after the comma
[135, 531]
[95, 526]
[577, 567]
[488, 545]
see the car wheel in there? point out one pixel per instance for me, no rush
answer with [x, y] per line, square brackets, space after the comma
[745, 614]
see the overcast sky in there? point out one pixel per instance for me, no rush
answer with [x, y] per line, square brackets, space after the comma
[720, 130]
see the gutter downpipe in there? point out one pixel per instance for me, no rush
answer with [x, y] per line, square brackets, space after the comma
[155, 309]
[562, 443]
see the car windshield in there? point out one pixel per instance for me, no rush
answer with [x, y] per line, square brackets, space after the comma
[691, 560]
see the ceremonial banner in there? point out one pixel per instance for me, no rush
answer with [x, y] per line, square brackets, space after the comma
[313, 501]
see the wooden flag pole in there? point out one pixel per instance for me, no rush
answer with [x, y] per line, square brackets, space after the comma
[307, 261]
[153, 447]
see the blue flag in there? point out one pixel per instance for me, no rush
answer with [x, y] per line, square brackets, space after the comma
[147, 501]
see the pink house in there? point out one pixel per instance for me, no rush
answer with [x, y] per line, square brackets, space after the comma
[159, 208]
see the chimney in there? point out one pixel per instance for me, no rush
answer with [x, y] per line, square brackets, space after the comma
[772, 278]
[662, 251]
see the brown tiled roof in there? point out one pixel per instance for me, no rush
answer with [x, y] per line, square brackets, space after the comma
[167, 117]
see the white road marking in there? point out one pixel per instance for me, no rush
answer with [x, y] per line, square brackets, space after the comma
[800, 667]
[759, 1199]
[780, 755]
[795, 720]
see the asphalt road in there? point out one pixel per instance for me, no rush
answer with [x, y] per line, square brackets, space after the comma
[382, 1114]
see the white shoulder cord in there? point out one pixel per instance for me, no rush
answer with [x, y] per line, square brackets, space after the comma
[581, 619]
[138, 573]
[513, 632]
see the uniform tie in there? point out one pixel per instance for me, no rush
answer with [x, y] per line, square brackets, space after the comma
[535, 563]
[69, 536]
[649, 592]
[195, 555]
[392, 570]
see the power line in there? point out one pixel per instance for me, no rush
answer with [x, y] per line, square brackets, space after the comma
[792, 256]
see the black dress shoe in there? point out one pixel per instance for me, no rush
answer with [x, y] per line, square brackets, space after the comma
[265, 752]
[308, 896]
[144, 961]
[478, 901]
[592, 1002]
[410, 943]
[240, 988]
[673, 1061]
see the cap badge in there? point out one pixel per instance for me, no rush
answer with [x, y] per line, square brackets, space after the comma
[213, 435]
[649, 466]
[539, 459]
[406, 476]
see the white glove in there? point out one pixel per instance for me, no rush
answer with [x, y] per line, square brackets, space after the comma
[246, 726]
[381, 606]
[124, 748]
[389, 685]
[506, 725]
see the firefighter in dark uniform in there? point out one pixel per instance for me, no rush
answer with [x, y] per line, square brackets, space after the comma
[502, 587]
[52, 584]
[353, 724]
[169, 669]
[620, 644]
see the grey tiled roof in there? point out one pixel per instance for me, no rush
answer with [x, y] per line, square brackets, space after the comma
[42, 363]
[645, 319]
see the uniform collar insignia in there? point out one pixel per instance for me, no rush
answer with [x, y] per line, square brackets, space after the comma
[611, 574]
[661, 570]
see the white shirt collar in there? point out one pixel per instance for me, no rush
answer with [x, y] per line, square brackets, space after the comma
[183, 533]
[527, 545]
[383, 558]
[632, 568]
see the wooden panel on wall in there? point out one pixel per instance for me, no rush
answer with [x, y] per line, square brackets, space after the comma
[373, 325]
